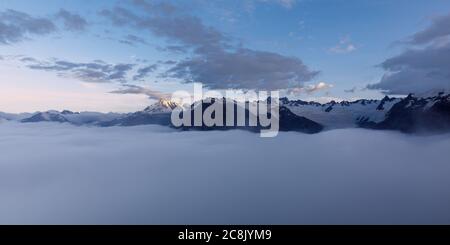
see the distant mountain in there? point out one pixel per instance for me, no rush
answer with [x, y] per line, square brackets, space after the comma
[413, 114]
[76, 118]
[158, 113]
[48, 116]
[410, 114]
[14, 117]
[343, 114]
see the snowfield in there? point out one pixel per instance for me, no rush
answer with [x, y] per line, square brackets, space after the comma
[54, 173]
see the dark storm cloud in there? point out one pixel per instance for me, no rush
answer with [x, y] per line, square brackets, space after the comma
[72, 22]
[214, 59]
[16, 26]
[420, 70]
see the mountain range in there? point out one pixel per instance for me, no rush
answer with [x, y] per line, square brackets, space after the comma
[410, 114]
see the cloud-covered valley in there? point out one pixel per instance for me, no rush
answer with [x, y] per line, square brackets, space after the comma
[61, 174]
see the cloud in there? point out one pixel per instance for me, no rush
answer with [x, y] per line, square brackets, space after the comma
[316, 87]
[343, 47]
[188, 30]
[287, 4]
[168, 62]
[243, 69]
[133, 40]
[155, 175]
[352, 90]
[419, 70]
[311, 88]
[95, 72]
[119, 16]
[212, 57]
[439, 28]
[28, 59]
[17, 26]
[72, 22]
[143, 72]
[156, 7]
[134, 89]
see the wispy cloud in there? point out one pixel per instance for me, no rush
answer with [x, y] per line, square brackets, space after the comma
[344, 46]
[72, 21]
[311, 88]
[134, 89]
[16, 26]
[352, 90]
[133, 40]
[95, 72]
[287, 4]
[143, 72]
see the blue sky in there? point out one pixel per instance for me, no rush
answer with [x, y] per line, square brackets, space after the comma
[313, 50]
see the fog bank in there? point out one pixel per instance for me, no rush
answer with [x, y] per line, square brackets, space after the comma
[60, 174]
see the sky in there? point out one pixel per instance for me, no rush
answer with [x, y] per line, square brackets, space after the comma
[121, 56]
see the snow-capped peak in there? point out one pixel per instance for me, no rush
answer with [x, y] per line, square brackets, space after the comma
[162, 106]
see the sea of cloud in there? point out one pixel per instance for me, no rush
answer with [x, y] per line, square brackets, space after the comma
[61, 174]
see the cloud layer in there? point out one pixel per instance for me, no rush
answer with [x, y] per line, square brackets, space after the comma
[61, 174]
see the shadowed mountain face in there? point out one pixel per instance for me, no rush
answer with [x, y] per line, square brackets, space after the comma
[292, 122]
[50, 116]
[288, 121]
[140, 118]
[158, 113]
[411, 115]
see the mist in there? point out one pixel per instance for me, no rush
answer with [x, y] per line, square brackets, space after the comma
[54, 173]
